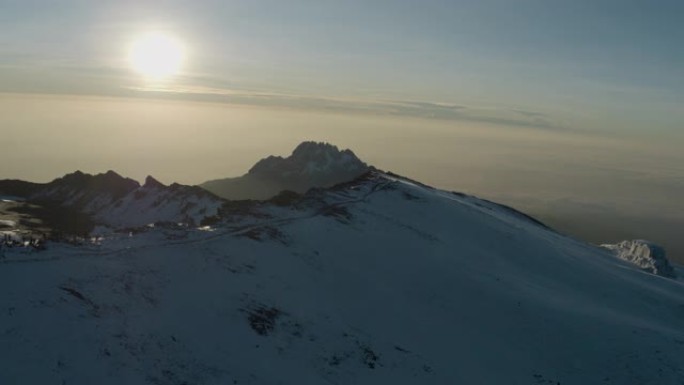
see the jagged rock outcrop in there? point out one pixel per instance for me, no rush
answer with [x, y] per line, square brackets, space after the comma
[311, 164]
[647, 255]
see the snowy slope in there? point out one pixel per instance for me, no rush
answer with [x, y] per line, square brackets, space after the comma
[378, 281]
[114, 201]
[154, 202]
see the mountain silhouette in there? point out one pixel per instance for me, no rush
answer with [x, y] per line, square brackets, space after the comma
[311, 164]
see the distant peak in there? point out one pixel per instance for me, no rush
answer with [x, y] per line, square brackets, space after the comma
[78, 174]
[310, 158]
[311, 146]
[320, 150]
[645, 254]
[110, 176]
[150, 182]
[109, 182]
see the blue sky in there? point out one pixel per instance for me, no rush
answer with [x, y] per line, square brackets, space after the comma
[615, 66]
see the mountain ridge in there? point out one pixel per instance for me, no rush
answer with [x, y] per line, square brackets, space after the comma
[112, 200]
[376, 280]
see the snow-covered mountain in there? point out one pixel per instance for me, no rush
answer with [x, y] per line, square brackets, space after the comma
[155, 202]
[114, 201]
[380, 280]
[647, 255]
[311, 164]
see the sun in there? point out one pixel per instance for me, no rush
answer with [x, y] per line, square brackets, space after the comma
[157, 55]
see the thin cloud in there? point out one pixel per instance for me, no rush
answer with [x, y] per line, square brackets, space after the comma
[403, 108]
[107, 81]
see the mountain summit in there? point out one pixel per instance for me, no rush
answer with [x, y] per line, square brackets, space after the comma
[320, 163]
[311, 164]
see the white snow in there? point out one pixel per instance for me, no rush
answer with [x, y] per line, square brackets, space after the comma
[7, 223]
[148, 205]
[10, 199]
[644, 254]
[383, 283]
[140, 207]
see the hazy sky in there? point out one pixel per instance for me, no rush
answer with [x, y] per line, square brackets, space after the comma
[555, 106]
[580, 64]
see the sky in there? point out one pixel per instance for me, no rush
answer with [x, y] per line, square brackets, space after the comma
[583, 65]
[567, 109]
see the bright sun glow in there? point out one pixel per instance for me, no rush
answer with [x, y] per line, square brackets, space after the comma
[157, 56]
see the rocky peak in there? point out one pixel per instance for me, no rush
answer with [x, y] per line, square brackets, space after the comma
[310, 159]
[77, 177]
[647, 255]
[109, 183]
[152, 183]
